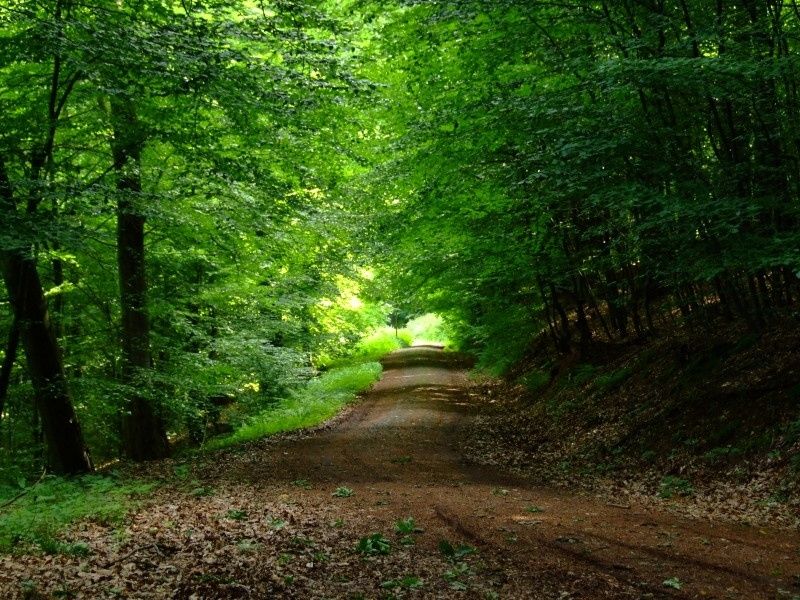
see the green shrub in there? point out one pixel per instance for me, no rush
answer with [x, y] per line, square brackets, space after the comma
[577, 376]
[649, 455]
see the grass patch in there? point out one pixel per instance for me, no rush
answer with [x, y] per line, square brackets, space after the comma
[608, 382]
[315, 403]
[721, 453]
[579, 375]
[34, 521]
[379, 343]
[672, 486]
[535, 380]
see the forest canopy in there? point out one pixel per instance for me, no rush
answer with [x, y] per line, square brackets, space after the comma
[207, 203]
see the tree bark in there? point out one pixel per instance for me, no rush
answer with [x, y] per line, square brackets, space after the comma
[9, 359]
[143, 433]
[66, 450]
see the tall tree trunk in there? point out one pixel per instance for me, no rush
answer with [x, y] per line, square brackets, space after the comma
[62, 433]
[66, 450]
[143, 433]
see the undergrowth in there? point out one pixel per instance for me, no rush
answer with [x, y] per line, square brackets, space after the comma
[34, 521]
[312, 404]
[371, 347]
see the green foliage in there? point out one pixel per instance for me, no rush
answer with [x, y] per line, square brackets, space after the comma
[276, 523]
[535, 380]
[372, 347]
[721, 453]
[513, 170]
[235, 514]
[35, 520]
[454, 576]
[671, 486]
[405, 526]
[379, 343]
[649, 455]
[248, 270]
[313, 404]
[673, 582]
[430, 328]
[457, 552]
[580, 375]
[608, 382]
[343, 492]
[374, 544]
[202, 491]
[791, 433]
[548, 165]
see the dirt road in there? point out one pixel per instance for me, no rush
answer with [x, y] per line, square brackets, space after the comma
[271, 526]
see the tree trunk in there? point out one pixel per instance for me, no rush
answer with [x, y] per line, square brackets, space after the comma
[9, 359]
[66, 450]
[143, 433]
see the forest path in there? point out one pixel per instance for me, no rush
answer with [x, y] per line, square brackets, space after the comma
[263, 521]
[399, 451]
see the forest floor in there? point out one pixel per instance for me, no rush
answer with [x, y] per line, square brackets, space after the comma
[282, 518]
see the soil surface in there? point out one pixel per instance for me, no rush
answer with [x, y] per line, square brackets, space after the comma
[264, 522]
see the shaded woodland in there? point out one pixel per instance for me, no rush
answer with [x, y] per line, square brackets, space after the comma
[205, 204]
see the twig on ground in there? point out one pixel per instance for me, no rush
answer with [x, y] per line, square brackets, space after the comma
[134, 551]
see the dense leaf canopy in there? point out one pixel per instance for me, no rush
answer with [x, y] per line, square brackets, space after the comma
[590, 170]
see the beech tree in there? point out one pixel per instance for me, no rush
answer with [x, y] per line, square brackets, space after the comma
[20, 205]
[590, 168]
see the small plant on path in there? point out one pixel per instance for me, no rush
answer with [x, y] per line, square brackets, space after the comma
[455, 553]
[343, 492]
[405, 526]
[453, 576]
[673, 582]
[373, 545]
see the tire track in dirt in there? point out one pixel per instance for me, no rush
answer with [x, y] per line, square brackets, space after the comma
[417, 411]
[261, 521]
